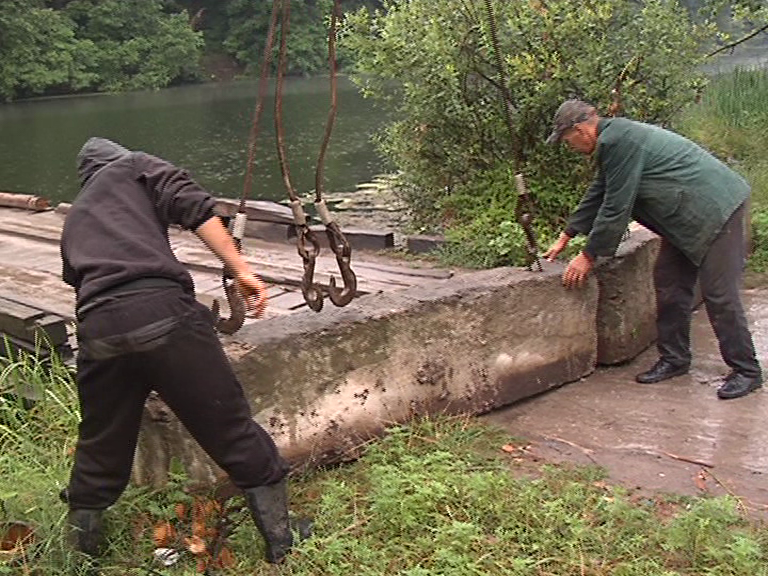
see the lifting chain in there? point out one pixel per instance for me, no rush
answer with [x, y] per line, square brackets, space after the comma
[307, 243]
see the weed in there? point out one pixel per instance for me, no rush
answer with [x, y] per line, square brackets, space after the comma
[730, 120]
[434, 497]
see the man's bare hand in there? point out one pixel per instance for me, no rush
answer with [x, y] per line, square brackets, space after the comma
[558, 246]
[254, 292]
[577, 271]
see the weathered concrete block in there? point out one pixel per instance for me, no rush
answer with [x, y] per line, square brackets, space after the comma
[269, 231]
[358, 238]
[420, 243]
[626, 311]
[323, 383]
[264, 210]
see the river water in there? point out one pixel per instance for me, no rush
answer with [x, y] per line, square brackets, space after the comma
[204, 128]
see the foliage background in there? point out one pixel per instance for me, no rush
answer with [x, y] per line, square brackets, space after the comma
[433, 65]
[430, 63]
[69, 46]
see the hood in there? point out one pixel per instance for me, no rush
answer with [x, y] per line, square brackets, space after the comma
[95, 154]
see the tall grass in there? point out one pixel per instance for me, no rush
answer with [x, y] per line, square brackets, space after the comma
[435, 497]
[740, 97]
[731, 120]
[38, 429]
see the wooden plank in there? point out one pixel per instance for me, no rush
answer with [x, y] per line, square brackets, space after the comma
[436, 273]
[263, 210]
[30, 266]
[37, 290]
[359, 238]
[274, 290]
[11, 347]
[289, 300]
[26, 301]
[51, 329]
[32, 324]
[32, 232]
[17, 319]
[197, 256]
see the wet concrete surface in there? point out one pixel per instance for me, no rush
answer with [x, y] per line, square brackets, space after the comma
[671, 437]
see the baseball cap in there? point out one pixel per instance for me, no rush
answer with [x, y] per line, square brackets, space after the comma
[570, 113]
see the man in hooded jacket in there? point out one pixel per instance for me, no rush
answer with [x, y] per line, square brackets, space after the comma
[140, 328]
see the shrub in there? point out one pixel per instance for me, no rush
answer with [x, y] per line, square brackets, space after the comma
[433, 64]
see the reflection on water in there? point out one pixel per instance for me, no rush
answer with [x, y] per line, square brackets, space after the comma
[204, 128]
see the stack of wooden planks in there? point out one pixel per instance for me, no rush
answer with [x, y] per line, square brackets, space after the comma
[27, 328]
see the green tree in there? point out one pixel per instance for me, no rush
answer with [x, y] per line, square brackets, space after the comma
[38, 50]
[738, 21]
[433, 63]
[133, 44]
[307, 47]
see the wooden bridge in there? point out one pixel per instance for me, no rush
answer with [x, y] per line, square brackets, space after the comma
[33, 295]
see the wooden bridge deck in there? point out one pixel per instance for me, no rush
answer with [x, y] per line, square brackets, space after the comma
[30, 267]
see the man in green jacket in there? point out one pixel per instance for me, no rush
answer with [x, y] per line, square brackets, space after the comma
[695, 203]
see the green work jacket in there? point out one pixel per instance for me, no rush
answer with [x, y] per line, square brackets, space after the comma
[660, 179]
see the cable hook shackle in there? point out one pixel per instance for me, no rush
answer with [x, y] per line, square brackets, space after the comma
[307, 244]
[235, 300]
[336, 239]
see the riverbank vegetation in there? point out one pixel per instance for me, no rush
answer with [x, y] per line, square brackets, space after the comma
[50, 47]
[470, 92]
[730, 121]
[459, 143]
[444, 496]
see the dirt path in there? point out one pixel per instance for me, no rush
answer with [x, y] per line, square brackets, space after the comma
[671, 437]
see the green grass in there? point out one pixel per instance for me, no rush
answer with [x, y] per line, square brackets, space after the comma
[731, 121]
[435, 497]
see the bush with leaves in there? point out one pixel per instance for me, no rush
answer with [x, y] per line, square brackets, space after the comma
[432, 62]
[135, 44]
[247, 24]
[38, 50]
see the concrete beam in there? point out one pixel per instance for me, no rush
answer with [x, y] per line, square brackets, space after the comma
[626, 312]
[322, 384]
[421, 243]
[358, 238]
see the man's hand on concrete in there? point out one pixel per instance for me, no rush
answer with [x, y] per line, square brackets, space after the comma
[577, 271]
[254, 292]
[558, 246]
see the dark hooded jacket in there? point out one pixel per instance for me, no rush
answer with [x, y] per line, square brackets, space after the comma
[116, 230]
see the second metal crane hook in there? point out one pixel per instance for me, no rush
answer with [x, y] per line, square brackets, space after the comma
[343, 251]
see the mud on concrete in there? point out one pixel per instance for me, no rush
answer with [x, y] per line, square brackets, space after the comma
[673, 437]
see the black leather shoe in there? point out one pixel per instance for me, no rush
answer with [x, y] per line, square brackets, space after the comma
[662, 370]
[737, 385]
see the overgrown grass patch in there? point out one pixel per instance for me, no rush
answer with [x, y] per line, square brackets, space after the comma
[434, 497]
[730, 121]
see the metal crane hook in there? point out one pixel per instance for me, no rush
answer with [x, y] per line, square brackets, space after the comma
[313, 294]
[343, 251]
[236, 306]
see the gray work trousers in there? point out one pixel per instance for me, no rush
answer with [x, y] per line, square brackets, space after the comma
[720, 276]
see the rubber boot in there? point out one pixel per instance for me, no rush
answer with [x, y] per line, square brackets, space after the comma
[269, 508]
[86, 535]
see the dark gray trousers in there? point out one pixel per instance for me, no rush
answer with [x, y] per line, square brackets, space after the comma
[160, 340]
[720, 276]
